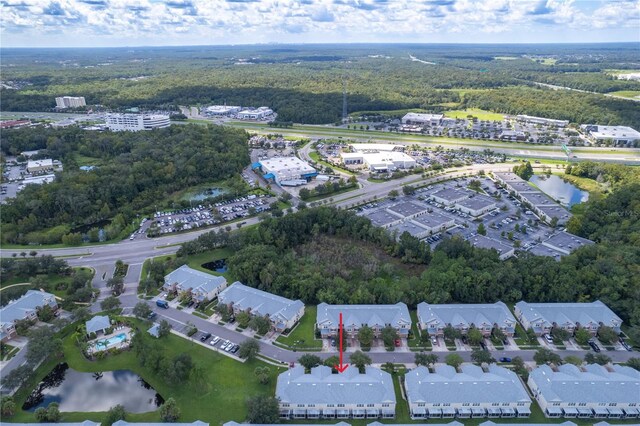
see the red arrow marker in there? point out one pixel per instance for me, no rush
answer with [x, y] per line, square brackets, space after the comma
[340, 367]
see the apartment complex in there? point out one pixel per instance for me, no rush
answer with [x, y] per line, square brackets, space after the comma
[470, 393]
[282, 312]
[199, 285]
[484, 316]
[64, 102]
[24, 308]
[354, 317]
[593, 391]
[542, 317]
[322, 394]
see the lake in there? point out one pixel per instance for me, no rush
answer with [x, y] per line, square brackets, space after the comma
[76, 391]
[553, 185]
[207, 193]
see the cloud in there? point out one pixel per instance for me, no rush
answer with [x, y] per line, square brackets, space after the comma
[541, 9]
[54, 9]
[323, 15]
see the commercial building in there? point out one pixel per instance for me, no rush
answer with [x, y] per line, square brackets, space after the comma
[376, 147]
[24, 308]
[222, 110]
[593, 391]
[434, 222]
[383, 218]
[255, 114]
[63, 102]
[282, 312]
[413, 228]
[505, 251]
[422, 119]
[379, 161]
[285, 169]
[136, 122]
[321, 394]
[470, 393]
[484, 316]
[616, 135]
[477, 205]
[356, 316]
[565, 242]
[40, 166]
[408, 209]
[449, 196]
[544, 121]
[10, 124]
[512, 135]
[199, 285]
[542, 317]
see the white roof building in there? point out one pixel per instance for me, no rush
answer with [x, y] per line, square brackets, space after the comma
[137, 122]
[541, 120]
[593, 391]
[569, 316]
[472, 392]
[282, 312]
[484, 316]
[344, 395]
[420, 118]
[565, 242]
[221, 109]
[255, 114]
[39, 165]
[282, 169]
[355, 316]
[63, 102]
[619, 135]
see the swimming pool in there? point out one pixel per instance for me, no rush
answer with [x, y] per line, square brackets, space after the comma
[111, 341]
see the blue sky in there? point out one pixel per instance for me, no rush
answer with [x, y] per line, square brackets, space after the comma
[85, 23]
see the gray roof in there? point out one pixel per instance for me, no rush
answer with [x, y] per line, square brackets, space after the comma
[453, 423]
[382, 217]
[490, 423]
[451, 194]
[567, 241]
[569, 313]
[466, 314]
[321, 387]
[260, 302]
[593, 385]
[288, 424]
[489, 243]
[410, 227]
[358, 315]
[154, 330]
[433, 219]
[187, 278]
[407, 208]
[476, 203]
[125, 423]
[25, 305]
[83, 423]
[98, 323]
[470, 386]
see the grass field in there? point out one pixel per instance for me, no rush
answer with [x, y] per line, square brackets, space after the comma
[316, 157]
[304, 331]
[230, 383]
[633, 94]
[505, 58]
[479, 113]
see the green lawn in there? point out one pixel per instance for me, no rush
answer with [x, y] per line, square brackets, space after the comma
[305, 330]
[479, 113]
[197, 260]
[316, 157]
[230, 383]
[633, 94]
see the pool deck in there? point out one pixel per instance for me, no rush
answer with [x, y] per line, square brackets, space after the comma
[94, 348]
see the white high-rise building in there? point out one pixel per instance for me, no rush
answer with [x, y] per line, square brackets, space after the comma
[136, 122]
[70, 102]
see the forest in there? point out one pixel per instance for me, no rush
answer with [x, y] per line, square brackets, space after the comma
[334, 256]
[133, 172]
[304, 84]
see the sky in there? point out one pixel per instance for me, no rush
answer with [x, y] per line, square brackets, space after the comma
[103, 23]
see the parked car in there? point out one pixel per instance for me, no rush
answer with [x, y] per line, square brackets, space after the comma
[398, 343]
[548, 338]
[235, 349]
[215, 340]
[152, 315]
[205, 337]
[594, 345]
[505, 359]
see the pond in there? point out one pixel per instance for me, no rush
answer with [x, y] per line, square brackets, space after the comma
[207, 193]
[558, 189]
[88, 392]
[219, 266]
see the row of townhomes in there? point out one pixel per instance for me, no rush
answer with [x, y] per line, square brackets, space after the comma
[200, 285]
[471, 391]
[200, 423]
[24, 308]
[433, 319]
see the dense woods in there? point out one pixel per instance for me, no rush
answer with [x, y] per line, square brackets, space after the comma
[328, 255]
[305, 84]
[133, 171]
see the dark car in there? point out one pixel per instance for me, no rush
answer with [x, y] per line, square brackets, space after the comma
[505, 359]
[594, 346]
[235, 349]
[483, 346]
[205, 337]
[152, 315]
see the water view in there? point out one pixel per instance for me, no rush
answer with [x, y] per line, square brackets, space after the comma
[219, 265]
[553, 185]
[88, 392]
[207, 193]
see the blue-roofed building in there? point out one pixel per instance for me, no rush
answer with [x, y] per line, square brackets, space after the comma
[199, 285]
[283, 169]
[322, 394]
[593, 391]
[484, 316]
[154, 330]
[282, 312]
[97, 324]
[355, 317]
[24, 308]
[470, 393]
[542, 317]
